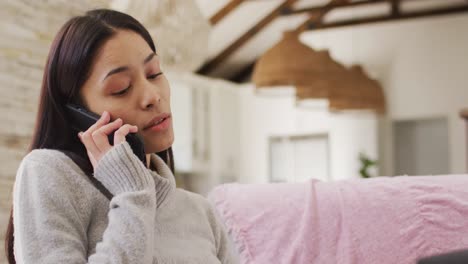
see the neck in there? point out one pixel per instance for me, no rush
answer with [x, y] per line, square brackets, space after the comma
[148, 160]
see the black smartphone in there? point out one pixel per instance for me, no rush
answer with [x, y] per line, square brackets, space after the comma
[81, 119]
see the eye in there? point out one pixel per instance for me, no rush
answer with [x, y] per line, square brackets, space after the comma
[154, 76]
[121, 92]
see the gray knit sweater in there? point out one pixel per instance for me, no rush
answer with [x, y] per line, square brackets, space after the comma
[60, 217]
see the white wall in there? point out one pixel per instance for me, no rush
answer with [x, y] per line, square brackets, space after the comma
[233, 125]
[351, 134]
[263, 115]
[423, 66]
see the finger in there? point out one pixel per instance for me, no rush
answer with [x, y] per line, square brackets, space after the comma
[92, 159]
[87, 135]
[88, 142]
[104, 119]
[119, 135]
[100, 136]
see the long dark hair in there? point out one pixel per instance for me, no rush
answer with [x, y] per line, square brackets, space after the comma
[67, 68]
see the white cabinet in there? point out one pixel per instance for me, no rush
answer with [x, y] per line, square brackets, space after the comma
[182, 107]
[206, 128]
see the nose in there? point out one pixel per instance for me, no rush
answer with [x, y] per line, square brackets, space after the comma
[150, 97]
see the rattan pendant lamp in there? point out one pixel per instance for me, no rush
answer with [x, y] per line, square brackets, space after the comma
[291, 63]
[328, 78]
[317, 76]
[357, 91]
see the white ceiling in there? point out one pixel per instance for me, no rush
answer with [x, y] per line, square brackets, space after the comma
[37, 21]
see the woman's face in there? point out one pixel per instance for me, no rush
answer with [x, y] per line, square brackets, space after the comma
[126, 80]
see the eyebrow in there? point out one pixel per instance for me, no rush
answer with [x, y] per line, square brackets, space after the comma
[125, 68]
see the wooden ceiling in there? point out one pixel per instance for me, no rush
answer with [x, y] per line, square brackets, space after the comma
[319, 17]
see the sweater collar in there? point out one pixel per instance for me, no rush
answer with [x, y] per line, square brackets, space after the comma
[163, 178]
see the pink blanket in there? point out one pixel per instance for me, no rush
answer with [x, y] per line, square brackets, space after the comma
[379, 220]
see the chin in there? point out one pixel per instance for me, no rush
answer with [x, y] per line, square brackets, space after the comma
[160, 145]
[156, 149]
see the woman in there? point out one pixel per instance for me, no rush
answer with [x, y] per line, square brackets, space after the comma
[80, 199]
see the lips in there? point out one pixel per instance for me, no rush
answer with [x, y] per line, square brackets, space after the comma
[156, 120]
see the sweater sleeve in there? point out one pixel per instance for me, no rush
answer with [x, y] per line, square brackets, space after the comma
[225, 249]
[49, 225]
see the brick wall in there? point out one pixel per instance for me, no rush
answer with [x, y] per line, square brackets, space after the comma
[26, 30]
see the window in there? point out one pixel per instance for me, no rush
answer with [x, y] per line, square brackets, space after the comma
[299, 158]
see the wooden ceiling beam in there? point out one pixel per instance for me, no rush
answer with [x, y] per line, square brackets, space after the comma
[393, 17]
[243, 74]
[333, 5]
[316, 17]
[223, 12]
[395, 7]
[216, 61]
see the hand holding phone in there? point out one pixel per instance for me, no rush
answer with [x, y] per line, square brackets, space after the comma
[99, 134]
